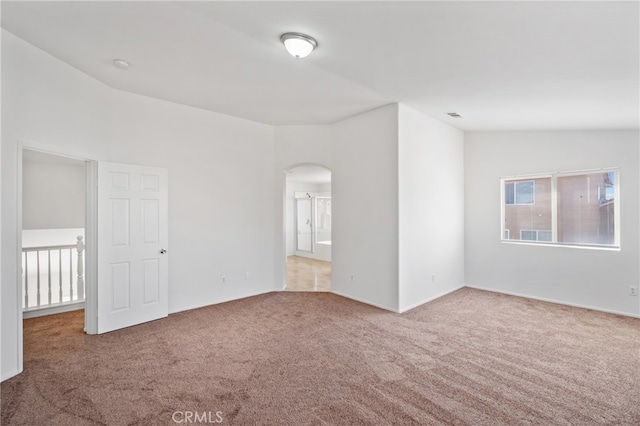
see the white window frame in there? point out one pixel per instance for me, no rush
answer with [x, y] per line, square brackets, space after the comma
[515, 193]
[554, 208]
[537, 231]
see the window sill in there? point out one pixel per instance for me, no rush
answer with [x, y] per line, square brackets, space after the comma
[577, 246]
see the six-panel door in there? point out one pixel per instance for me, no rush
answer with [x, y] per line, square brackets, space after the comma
[132, 245]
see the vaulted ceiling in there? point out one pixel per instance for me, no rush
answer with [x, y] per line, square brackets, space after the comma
[501, 65]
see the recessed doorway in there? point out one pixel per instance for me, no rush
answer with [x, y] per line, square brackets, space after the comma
[308, 220]
[53, 232]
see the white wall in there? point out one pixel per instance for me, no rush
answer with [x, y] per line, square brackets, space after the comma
[431, 208]
[50, 104]
[53, 193]
[216, 228]
[220, 186]
[364, 182]
[362, 155]
[297, 145]
[2, 370]
[294, 145]
[50, 237]
[392, 168]
[584, 277]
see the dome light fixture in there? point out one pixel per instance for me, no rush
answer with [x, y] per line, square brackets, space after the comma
[121, 64]
[298, 45]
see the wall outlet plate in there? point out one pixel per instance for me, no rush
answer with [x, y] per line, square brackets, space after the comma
[633, 290]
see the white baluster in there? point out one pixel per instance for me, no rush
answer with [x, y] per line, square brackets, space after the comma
[49, 301]
[38, 269]
[26, 280]
[80, 247]
[71, 273]
[60, 274]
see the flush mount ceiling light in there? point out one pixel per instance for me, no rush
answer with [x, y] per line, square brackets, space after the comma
[298, 45]
[121, 64]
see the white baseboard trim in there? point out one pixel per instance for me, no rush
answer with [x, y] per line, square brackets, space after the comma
[557, 302]
[217, 302]
[51, 310]
[437, 296]
[10, 374]
[366, 302]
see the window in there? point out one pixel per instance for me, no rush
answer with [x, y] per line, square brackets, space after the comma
[562, 208]
[519, 192]
[535, 235]
[586, 209]
[530, 210]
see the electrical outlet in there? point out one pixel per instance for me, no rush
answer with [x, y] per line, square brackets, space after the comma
[247, 275]
[433, 278]
[352, 277]
[633, 290]
[223, 280]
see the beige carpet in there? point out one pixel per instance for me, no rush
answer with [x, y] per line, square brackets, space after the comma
[469, 358]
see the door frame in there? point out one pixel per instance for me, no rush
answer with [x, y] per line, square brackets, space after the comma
[91, 221]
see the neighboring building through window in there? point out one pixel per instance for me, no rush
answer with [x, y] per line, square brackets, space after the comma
[535, 235]
[527, 208]
[519, 192]
[564, 208]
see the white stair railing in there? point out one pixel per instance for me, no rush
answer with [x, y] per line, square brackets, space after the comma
[80, 249]
[54, 266]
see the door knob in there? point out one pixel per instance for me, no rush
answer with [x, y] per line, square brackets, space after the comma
[163, 251]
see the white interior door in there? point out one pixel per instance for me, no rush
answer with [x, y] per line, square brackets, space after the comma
[133, 280]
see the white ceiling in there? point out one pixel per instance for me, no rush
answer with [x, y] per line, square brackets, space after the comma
[501, 65]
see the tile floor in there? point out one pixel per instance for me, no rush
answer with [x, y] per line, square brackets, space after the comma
[305, 274]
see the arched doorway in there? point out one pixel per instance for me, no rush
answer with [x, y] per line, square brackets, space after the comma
[308, 228]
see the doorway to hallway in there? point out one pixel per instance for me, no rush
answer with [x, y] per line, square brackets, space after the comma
[308, 220]
[53, 229]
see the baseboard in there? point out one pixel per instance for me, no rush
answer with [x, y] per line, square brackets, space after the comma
[217, 302]
[557, 302]
[366, 302]
[437, 296]
[51, 310]
[11, 374]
